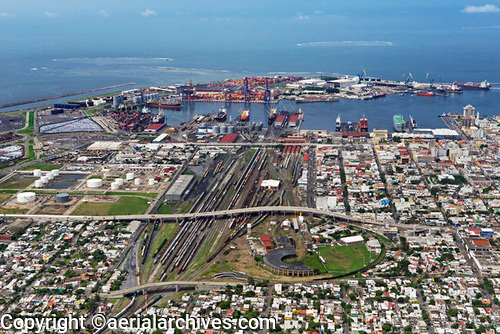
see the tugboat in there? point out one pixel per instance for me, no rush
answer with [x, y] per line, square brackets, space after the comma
[221, 116]
[338, 124]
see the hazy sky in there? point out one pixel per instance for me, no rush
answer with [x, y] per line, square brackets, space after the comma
[154, 26]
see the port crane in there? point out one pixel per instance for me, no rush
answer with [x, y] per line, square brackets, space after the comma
[360, 75]
[407, 80]
[248, 93]
[267, 93]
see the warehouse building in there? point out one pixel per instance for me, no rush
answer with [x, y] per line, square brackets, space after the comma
[180, 189]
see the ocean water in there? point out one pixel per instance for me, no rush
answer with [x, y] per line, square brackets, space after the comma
[429, 54]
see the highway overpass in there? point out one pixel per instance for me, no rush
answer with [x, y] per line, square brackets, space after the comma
[178, 285]
[296, 210]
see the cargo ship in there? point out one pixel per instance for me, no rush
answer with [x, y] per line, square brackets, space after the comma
[273, 113]
[423, 93]
[221, 116]
[485, 85]
[317, 99]
[245, 115]
[338, 124]
[399, 123]
[363, 124]
[165, 105]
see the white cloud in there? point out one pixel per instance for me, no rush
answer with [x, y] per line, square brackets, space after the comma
[103, 13]
[303, 17]
[3, 14]
[347, 43]
[149, 12]
[481, 9]
[49, 14]
[318, 12]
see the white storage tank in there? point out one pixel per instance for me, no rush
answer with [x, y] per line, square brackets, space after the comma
[50, 176]
[38, 184]
[55, 172]
[94, 183]
[37, 172]
[137, 182]
[119, 181]
[130, 176]
[26, 197]
[151, 182]
[44, 179]
[115, 186]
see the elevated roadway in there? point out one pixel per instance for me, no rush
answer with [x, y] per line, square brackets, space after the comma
[177, 285]
[215, 214]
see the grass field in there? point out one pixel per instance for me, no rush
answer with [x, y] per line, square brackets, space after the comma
[17, 183]
[42, 166]
[151, 195]
[165, 231]
[3, 197]
[126, 205]
[343, 258]
[13, 211]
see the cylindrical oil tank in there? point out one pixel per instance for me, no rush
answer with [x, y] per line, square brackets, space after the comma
[130, 176]
[117, 99]
[44, 179]
[26, 197]
[216, 129]
[94, 183]
[119, 181]
[137, 182]
[210, 129]
[50, 176]
[55, 172]
[137, 99]
[202, 129]
[62, 198]
[37, 172]
[230, 129]
[38, 184]
[151, 182]
[223, 129]
[115, 186]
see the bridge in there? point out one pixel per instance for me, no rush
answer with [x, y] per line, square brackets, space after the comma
[296, 210]
[178, 285]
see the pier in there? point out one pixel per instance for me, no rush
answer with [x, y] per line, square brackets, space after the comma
[13, 104]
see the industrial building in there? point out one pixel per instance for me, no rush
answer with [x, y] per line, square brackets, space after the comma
[180, 189]
[354, 240]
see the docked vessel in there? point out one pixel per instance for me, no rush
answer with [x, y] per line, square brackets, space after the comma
[399, 123]
[485, 85]
[424, 93]
[221, 116]
[338, 124]
[165, 104]
[245, 115]
[317, 99]
[363, 124]
[273, 113]
[413, 123]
